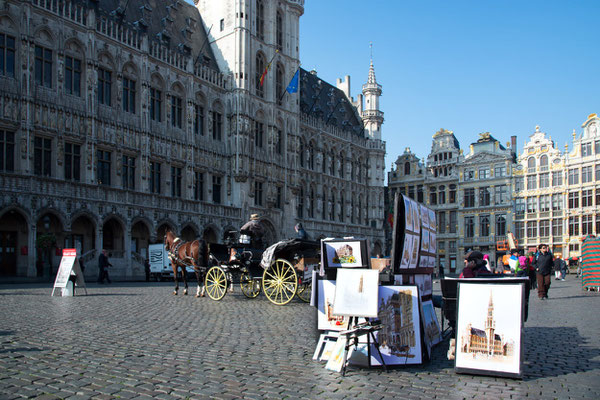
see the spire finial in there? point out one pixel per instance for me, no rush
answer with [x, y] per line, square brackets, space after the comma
[371, 48]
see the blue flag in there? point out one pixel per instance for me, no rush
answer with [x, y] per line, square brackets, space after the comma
[293, 86]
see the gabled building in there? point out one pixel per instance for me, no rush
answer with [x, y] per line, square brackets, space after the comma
[485, 179]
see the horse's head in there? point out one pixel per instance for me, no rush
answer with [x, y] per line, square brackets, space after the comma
[169, 237]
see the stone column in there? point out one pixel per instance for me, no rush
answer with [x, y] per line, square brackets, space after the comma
[31, 252]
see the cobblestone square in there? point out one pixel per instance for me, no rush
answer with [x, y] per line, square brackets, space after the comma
[138, 341]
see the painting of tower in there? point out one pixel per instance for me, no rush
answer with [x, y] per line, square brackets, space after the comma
[489, 331]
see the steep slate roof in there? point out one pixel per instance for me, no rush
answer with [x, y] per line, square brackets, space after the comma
[321, 100]
[174, 23]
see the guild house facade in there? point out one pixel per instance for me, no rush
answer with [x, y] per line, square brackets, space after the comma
[120, 119]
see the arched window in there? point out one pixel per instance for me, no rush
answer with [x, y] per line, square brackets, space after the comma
[531, 164]
[260, 68]
[300, 211]
[260, 19]
[156, 97]
[341, 165]
[342, 205]
[311, 203]
[324, 208]
[311, 156]
[332, 163]
[332, 207]
[259, 131]
[279, 73]
[301, 153]
[279, 30]
[407, 168]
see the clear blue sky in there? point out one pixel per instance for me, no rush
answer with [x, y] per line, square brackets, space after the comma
[466, 66]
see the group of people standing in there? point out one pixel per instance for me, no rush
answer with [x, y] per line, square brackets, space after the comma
[537, 267]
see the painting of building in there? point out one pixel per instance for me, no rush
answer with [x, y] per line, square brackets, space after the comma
[399, 338]
[489, 332]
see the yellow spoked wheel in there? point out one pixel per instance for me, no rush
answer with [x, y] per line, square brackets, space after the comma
[280, 282]
[215, 283]
[250, 287]
[304, 291]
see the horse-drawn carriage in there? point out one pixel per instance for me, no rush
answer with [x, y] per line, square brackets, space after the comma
[282, 271]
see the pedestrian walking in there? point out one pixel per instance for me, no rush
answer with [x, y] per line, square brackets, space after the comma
[103, 265]
[147, 269]
[543, 270]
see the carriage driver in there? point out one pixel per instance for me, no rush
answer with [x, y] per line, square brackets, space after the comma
[254, 230]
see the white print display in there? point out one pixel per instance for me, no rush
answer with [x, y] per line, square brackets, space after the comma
[432, 220]
[416, 216]
[423, 281]
[432, 243]
[424, 240]
[406, 251]
[343, 254]
[408, 214]
[356, 293]
[414, 253]
[400, 337]
[488, 328]
[325, 318]
[424, 217]
[431, 327]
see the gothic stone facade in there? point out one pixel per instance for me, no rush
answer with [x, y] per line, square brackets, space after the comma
[121, 119]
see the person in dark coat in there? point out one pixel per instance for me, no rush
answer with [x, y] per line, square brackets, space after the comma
[103, 265]
[543, 271]
[254, 230]
[474, 265]
[300, 231]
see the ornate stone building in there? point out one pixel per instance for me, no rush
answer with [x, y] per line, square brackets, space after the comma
[539, 188]
[435, 185]
[121, 119]
[485, 196]
[582, 187]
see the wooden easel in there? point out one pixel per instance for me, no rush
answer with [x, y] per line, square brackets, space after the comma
[354, 332]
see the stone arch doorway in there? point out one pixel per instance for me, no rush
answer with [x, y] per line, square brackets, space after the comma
[50, 236]
[13, 243]
[140, 238]
[162, 230]
[377, 251]
[188, 234]
[82, 236]
[113, 238]
[209, 235]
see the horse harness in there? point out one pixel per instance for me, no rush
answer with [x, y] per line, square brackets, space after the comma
[174, 253]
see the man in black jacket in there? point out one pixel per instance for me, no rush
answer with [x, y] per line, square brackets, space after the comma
[543, 271]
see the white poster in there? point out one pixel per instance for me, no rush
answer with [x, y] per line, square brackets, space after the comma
[356, 293]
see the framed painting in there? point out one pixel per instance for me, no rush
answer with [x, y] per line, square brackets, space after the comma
[408, 214]
[488, 328]
[326, 321]
[400, 338]
[347, 253]
[356, 293]
[424, 217]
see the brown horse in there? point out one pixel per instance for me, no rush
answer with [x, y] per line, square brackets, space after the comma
[187, 254]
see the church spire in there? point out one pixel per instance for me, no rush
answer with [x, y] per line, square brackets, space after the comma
[372, 79]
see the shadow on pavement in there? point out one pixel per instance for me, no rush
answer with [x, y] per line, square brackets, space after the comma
[552, 352]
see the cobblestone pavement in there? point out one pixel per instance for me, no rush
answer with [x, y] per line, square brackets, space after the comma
[137, 340]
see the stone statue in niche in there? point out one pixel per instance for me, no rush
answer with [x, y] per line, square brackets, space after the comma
[24, 147]
[60, 152]
[52, 118]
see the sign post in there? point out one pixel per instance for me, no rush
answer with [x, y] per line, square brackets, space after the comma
[68, 267]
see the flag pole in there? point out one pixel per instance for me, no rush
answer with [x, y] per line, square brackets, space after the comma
[286, 89]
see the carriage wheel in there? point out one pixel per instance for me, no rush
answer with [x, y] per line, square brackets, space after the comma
[250, 287]
[215, 283]
[304, 291]
[280, 282]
